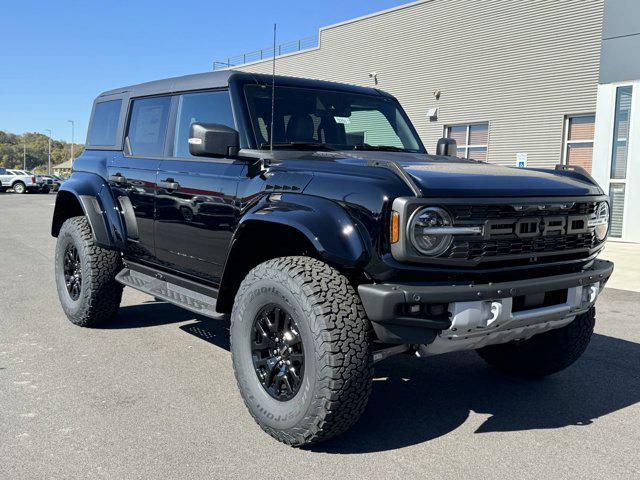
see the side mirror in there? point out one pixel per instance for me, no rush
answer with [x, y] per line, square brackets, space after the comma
[213, 140]
[447, 147]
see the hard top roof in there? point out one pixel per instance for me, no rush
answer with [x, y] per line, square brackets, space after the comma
[220, 79]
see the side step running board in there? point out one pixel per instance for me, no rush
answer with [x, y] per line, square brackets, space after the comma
[170, 288]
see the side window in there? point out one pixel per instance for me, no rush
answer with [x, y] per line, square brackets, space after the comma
[205, 107]
[148, 126]
[104, 123]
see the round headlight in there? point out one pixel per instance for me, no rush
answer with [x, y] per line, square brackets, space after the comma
[601, 221]
[423, 231]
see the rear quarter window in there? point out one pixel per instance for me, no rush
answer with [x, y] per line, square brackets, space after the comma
[104, 124]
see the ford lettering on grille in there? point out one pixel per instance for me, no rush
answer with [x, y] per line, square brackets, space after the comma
[531, 227]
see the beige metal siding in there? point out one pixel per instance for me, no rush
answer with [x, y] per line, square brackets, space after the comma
[521, 65]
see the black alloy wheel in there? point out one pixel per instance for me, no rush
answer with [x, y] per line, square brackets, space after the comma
[72, 272]
[277, 352]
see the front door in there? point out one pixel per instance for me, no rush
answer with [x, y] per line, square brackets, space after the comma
[196, 207]
[133, 176]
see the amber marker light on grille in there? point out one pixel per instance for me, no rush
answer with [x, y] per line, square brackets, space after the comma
[395, 227]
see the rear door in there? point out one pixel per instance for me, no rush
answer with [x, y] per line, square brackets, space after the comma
[132, 174]
[195, 203]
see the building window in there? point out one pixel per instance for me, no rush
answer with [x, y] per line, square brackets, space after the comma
[621, 133]
[616, 197]
[472, 139]
[619, 154]
[578, 143]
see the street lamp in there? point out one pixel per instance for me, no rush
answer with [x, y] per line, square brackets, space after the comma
[49, 163]
[72, 127]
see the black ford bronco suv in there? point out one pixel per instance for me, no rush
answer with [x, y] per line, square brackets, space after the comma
[311, 212]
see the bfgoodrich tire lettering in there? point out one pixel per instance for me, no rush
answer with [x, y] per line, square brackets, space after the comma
[546, 353]
[99, 297]
[336, 337]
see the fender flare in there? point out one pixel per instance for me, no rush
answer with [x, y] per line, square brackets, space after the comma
[98, 205]
[334, 233]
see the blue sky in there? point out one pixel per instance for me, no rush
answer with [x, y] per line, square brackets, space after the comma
[58, 55]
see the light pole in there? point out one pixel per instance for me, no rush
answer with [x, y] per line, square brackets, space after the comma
[49, 162]
[72, 127]
[24, 155]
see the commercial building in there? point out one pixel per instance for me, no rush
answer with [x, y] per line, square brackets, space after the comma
[515, 82]
[616, 163]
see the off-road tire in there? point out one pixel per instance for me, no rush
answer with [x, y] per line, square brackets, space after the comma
[546, 353]
[19, 188]
[337, 341]
[100, 294]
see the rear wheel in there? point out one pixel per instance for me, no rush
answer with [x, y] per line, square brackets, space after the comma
[301, 348]
[546, 353]
[19, 187]
[85, 275]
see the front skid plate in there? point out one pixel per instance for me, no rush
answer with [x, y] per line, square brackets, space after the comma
[480, 323]
[180, 296]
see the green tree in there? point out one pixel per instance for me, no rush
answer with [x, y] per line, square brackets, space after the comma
[12, 148]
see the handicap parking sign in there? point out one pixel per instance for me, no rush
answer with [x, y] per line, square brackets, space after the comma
[521, 160]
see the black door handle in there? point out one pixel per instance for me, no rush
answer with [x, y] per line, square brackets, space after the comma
[169, 184]
[118, 178]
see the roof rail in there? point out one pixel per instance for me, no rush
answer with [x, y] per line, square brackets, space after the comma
[305, 43]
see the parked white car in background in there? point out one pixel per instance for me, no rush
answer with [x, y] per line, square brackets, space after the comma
[22, 181]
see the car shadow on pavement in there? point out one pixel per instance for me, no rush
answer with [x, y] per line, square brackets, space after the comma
[212, 330]
[415, 401]
[149, 314]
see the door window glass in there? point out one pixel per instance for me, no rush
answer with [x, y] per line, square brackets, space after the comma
[204, 107]
[148, 126]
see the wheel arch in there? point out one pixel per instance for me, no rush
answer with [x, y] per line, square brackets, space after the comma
[87, 194]
[288, 225]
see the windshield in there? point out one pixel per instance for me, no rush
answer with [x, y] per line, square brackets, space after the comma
[329, 119]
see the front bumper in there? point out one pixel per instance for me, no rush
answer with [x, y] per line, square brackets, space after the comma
[417, 313]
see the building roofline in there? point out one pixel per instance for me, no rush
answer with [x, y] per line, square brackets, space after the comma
[375, 14]
[335, 25]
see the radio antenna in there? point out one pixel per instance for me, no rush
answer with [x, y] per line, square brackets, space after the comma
[273, 89]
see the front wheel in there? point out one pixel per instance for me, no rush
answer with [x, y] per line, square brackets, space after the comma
[546, 353]
[85, 275]
[301, 349]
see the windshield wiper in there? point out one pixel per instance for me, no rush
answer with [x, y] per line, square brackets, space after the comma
[381, 148]
[298, 146]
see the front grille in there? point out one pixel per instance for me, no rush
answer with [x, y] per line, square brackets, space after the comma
[549, 247]
[485, 212]
[515, 246]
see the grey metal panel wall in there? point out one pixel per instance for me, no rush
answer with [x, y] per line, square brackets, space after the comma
[522, 65]
[620, 41]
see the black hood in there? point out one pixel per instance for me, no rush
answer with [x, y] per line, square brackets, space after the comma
[437, 176]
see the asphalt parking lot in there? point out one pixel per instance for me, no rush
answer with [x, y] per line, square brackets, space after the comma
[153, 396]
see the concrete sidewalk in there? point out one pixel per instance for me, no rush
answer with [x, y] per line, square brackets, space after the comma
[626, 256]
